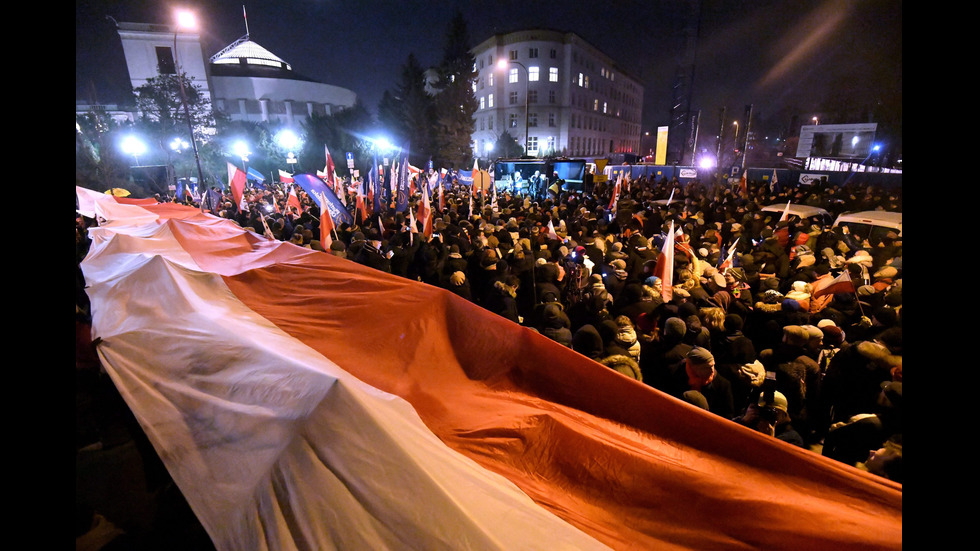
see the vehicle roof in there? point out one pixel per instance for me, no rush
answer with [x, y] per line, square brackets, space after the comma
[874, 217]
[803, 211]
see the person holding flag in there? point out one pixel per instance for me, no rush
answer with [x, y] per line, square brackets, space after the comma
[664, 268]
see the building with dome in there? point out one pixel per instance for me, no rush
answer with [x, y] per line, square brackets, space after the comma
[245, 81]
[250, 83]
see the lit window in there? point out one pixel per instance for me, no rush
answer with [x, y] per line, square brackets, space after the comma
[532, 144]
[604, 107]
[512, 77]
[483, 103]
[490, 100]
[595, 105]
[532, 74]
[586, 81]
[513, 120]
[553, 74]
[490, 79]
[581, 79]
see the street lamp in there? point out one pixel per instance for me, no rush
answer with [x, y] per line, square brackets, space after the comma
[131, 145]
[240, 148]
[502, 64]
[288, 140]
[816, 120]
[186, 21]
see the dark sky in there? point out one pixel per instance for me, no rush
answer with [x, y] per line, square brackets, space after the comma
[779, 55]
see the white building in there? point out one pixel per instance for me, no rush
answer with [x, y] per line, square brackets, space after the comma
[244, 80]
[252, 84]
[577, 100]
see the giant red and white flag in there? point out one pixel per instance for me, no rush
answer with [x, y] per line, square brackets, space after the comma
[664, 268]
[294, 408]
[285, 177]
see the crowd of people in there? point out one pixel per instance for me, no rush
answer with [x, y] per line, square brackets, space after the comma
[754, 326]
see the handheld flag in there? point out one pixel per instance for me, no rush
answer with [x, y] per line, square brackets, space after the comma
[236, 181]
[326, 226]
[425, 213]
[256, 177]
[324, 197]
[265, 224]
[401, 200]
[840, 284]
[286, 177]
[292, 200]
[785, 215]
[665, 266]
[743, 183]
[614, 201]
[552, 234]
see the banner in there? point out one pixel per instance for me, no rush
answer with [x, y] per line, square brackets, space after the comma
[318, 189]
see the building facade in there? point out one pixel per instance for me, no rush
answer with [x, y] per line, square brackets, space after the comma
[555, 94]
[244, 80]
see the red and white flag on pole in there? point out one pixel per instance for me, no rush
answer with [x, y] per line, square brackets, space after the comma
[292, 200]
[236, 181]
[665, 266]
[614, 202]
[425, 213]
[286, 177]
[840, 284]
[326, 225]
[551, 231]
[785, 215]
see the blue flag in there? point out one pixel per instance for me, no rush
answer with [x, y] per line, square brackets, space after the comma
[317, 189]
[465, 177]
[374, 180]
[255, 177]
[401, 200]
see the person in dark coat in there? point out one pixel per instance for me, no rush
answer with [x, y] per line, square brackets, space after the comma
[697, 372]
[370, 253]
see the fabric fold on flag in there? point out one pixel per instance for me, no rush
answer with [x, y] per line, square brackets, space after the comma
[291, 419]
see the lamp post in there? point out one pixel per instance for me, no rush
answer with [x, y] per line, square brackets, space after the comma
[241, 149]
[185, 20]
[290, 142]
[131, 145]
[816, 121]
[502, 64]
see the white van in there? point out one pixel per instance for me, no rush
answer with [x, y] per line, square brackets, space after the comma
[814, 215]
[871, 224]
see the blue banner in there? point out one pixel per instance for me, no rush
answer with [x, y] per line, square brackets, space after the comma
[401, 200]
[317, 189]
[465, 177]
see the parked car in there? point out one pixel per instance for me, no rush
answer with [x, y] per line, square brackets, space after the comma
[870, 224]
[814, 215]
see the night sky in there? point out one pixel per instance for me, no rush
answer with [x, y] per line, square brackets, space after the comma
[781, 56]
